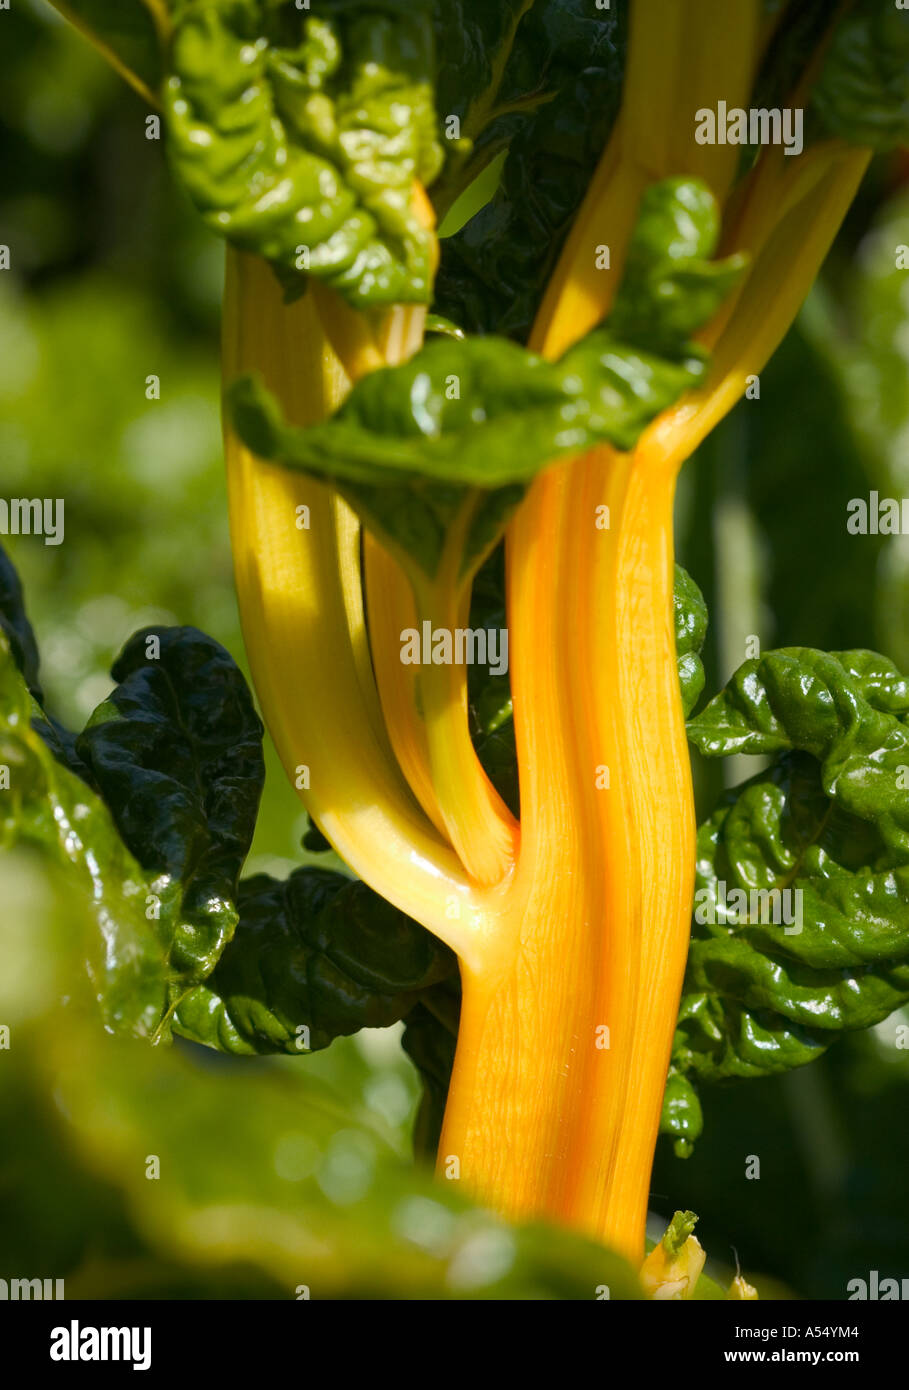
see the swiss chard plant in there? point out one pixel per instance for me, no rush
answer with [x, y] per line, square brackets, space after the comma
[492, 277]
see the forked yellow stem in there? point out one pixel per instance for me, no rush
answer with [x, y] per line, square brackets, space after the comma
[303, 622]
[580, 997]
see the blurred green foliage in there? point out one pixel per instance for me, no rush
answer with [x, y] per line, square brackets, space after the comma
[280, 1172]
[132, 1171]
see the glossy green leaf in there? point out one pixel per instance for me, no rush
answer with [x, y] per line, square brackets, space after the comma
[669, 287]
[300, 137]
[176, 752]
[690, 613]
[150, 811]
[47, 806]
[463, 424]
[862, 94]
[125, 33]
[315, 957]
[801, 923]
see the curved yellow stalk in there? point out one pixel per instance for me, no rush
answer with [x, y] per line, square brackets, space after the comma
[426, 710]
[391, 608]
[787, 254]
[479, 824]
[681, 58]
[299, 605]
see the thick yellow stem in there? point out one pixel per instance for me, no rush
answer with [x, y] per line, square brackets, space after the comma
[565, 1035]
[564, 1043]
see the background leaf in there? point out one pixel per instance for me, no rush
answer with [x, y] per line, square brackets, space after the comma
[269, 1178]
[314, 957]
[553, 109]
[176, 752]
[862, 94]
[14, 623]
[49, 808]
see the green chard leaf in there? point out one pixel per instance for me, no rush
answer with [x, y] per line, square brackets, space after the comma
[299, 137]
[24, 651]
[463, 424]
[456, 433]
[669, 287]
[549, 91]
[45, 805]
[862, 94]
[690, 613]
[430, 1039]
[149, 811]
[315, 957]
[474, 42]
[801, 924]
[125, 32]
[176, 752]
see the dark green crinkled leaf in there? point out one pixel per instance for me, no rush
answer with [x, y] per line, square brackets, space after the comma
[317, 952]
[771, 982]
[47, 806]
[299, 136]
[862, 94]
[554, 108]
[473, 43]
[176, 752]
[125, 29]
[690, 612]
